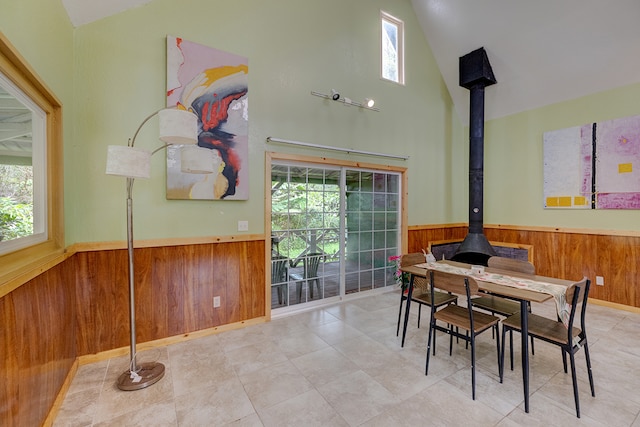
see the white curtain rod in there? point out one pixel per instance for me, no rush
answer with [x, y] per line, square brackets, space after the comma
[326, 147]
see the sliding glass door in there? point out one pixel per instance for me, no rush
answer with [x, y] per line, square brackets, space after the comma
[332, 231]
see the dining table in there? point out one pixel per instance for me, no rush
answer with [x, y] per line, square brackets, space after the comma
[509, 284]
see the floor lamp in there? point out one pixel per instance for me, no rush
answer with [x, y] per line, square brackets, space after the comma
[177, 127]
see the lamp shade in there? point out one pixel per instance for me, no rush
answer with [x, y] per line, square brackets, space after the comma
[130, 162]
[178, 126]
[196, 159]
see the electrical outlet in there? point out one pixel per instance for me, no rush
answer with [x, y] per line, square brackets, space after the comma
[599, 280]
[243, 225]
[216, 302]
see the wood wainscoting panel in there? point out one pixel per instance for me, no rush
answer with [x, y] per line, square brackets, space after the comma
[566, 254]
[37, 345]
[421, 237]
[103, 300]
[175, 287]
[617, 261]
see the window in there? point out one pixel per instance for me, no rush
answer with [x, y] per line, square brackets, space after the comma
[31, 222]
[22, 169]
[392, 48]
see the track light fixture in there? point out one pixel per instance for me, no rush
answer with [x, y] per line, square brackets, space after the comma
[367, 104]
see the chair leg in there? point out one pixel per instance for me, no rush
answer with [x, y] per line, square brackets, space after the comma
[299, 286]
[451, 340]
[586, 356]
[564, 360]
[504, 342]
[511, 348]
[473, 366]
[575, 382]
[399, 314]
[532, 349]
[405, 323]
[431, 331]
[497, 333]
[434, 340]
[316, 283]
[419, 314]
[493, 334]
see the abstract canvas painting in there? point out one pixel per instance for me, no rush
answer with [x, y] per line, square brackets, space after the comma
[214, 85]
[594, 166]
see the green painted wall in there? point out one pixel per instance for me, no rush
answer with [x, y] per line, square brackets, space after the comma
[110, 74]
[514, 180]
[40, 30]
[293, 48]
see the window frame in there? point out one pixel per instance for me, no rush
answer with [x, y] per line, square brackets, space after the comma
[39, 167]
[21, 265]
[386, 17]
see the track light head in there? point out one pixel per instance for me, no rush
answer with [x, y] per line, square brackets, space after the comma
[369, 103]
[335, 95]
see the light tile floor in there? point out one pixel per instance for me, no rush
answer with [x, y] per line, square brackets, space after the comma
[342, 365]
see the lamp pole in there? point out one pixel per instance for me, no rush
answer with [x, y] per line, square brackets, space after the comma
[177, 127]
[137, 377]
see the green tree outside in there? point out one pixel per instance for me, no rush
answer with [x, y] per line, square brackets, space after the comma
[16, 201]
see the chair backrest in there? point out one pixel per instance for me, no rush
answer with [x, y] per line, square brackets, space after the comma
[412, 259]
[577, 294]
[311, 262]
[454, 283]
[278, 269]
[511, 264]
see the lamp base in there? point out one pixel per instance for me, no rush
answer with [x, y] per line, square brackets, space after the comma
[150, 374]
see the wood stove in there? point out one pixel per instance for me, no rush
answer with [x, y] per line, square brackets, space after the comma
[475, 75]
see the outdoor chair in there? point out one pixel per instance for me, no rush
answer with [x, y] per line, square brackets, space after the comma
[310, 263]
[279, 278]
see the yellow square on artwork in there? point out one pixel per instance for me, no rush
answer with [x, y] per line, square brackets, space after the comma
[565, 201]
[552, 202]
[579, 201]
[625, 167]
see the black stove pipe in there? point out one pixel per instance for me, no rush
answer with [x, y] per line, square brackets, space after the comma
[475, 75]
[476, 159]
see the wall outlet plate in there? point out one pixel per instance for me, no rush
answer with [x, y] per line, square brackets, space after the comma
[243, 225]
[599, 280]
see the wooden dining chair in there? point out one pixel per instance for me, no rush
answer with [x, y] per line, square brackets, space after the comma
[421, 293]
[502, 306]
[568, 337]
[456, 317]
[405, 261]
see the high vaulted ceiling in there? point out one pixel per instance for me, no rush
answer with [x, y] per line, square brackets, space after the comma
[541, 51]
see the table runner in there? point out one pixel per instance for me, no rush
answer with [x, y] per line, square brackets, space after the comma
[557, 291]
